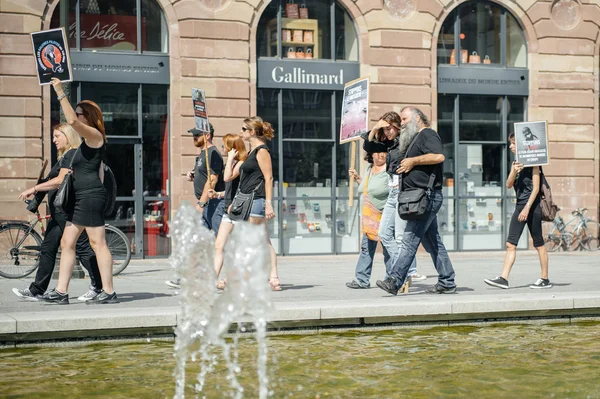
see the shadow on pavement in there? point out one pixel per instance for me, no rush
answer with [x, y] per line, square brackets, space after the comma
[286, 287]
[140, 296]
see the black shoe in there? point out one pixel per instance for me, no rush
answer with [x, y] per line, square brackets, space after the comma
[388, 285]
[438, 289]
[499, 282]
[541, 283]
[54, 296]
[354, 285]
[103, 297]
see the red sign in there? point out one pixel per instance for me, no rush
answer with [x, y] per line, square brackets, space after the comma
[118, 32]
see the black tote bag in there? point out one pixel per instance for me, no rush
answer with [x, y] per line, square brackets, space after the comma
[65, 195]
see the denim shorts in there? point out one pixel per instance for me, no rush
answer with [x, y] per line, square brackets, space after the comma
[258, 208]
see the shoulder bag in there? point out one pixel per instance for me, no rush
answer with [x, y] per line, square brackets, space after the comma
[242, 203]
[549, 208]
[413, 204]
[371, 216]
[65, 195]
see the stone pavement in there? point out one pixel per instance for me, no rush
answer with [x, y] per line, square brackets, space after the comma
[314, 295]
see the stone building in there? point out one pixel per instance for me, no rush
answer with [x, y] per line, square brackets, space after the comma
[475, 67]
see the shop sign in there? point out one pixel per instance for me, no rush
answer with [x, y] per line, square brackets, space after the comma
[99, 31]
[483, 80]
[306, 74]
[91, 66]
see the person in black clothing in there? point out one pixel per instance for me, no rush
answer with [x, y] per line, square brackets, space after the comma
[212, 209]
[526, 182]
[90, 199]
[236, 155]
[66, 140]
[256, 175]
[422, 163]
[384, 137]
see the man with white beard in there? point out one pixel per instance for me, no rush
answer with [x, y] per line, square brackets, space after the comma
[421, 169]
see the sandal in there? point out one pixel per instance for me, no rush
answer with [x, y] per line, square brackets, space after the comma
[221, 284]
[406, 286]
[275, 284]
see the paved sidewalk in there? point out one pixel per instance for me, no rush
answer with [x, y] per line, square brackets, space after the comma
[314, 294]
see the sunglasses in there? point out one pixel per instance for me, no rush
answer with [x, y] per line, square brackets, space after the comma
[79, 113]
[244, 128]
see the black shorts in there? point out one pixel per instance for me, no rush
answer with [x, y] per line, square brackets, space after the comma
[534, 223]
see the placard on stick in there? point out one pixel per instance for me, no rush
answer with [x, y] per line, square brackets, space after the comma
[200, 115]
[354, 120]
[531, 140]
[51, 52]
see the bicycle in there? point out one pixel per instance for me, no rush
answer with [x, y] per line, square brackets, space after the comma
[556, 235]
[586, 231]
[21, 245]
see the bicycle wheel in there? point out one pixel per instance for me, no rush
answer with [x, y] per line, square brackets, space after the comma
[589, 236]
[573, 244]
[19, 250]
[552, 237]
[119, 247]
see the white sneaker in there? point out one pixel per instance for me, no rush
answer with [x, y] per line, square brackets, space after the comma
[173, 283]
[91, 294]
[418, 277]
[25, 293]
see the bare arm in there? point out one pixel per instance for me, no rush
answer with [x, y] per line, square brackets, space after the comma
[52, 184]
[264, 162]
[536, 186]
[231, 172]
[207, 187]
[512, 176]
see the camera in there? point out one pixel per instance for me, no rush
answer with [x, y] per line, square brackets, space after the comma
[34, 203]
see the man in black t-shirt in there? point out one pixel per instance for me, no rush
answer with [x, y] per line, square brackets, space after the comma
[421, 168]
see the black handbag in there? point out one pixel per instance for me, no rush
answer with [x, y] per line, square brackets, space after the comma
[242, 204]
[414, 204]
[65, 195]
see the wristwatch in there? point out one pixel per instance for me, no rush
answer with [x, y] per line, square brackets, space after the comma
[202, 204]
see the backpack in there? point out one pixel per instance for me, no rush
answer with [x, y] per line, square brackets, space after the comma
[549, 208]
[110, 184]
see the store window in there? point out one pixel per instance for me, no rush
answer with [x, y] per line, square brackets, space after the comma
[476, 113]
[112, 25]
[305, 31]
[300, 88]
[482, 33]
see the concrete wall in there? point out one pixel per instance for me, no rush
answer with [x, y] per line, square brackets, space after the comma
[212, 45]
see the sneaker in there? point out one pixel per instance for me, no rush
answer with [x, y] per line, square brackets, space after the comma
[540, 283]
[499, 282]
[103, 297]
[418, 277]
[388, 285]
[173, 283]
[55, 297]
[91, 294]
[25, 294]
[355, 285]
[438, 289]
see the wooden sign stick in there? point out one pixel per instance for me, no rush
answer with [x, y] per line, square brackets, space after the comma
[352, 163]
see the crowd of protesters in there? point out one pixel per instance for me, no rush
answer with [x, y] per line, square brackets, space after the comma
[403, 154]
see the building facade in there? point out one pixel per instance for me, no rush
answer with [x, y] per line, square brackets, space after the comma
[475, 67]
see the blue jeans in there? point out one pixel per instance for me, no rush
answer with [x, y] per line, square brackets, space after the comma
[425, 231]
[212, 214]
[365, 261]
[391, 230]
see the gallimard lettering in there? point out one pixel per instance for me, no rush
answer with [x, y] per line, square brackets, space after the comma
[300, 76]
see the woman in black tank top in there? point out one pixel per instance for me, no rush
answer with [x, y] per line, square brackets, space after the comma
[90, 199]
[256, 175]
[236, 155]
[526, 182]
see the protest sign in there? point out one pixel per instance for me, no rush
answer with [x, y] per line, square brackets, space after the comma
[51, 52]
[531, 140]
[355, 110]
[200, 115]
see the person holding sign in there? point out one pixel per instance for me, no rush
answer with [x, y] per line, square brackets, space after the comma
[384, 138]
[90, 199]
[526, 182]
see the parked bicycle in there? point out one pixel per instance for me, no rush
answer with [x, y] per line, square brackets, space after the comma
[21, 244]
[583, 236]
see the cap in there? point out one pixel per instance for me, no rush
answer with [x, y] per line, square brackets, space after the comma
[197, 132]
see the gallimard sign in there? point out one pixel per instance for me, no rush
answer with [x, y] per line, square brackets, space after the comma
[305, 74]
[482, 80]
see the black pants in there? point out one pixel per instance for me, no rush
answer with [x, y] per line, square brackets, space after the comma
[50, 247]
[533, 222]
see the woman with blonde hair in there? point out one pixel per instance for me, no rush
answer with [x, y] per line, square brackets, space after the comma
[90, 199]
[66, 140]
[236, 155]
